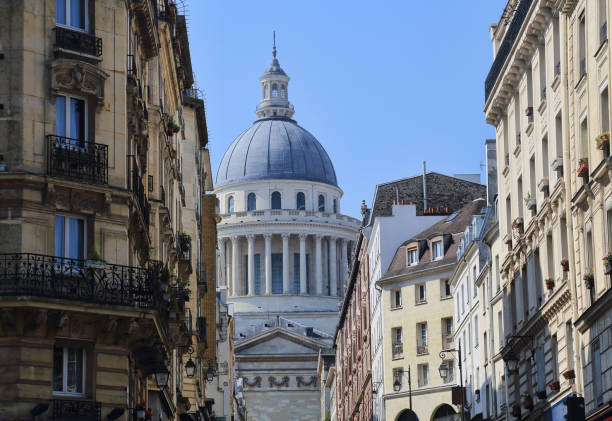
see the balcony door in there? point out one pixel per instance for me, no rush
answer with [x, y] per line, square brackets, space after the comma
[70, 237]
[72, 14]
[71, 120]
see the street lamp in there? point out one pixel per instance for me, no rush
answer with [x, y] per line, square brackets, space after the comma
[443, 369]
[397, 385]
[210, 374]
[161, 375]
[190, 368]
[511, 361]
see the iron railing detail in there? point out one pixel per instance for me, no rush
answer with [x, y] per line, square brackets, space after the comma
[77, 159]
[67, 409]
[184, 247]
[78, 41]
[80, 280]
[138, 189]
[506, 46]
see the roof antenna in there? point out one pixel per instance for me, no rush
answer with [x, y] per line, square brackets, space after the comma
[274, 45]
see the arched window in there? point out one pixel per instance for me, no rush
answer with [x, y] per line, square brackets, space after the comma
[335, 205]
[276, 200]
[301, 201]
[266, 90]
[230, 204]
[251, 202]
[321, 203]
[275, 91]
[283, 91]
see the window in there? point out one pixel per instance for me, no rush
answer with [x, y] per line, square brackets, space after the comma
[335, 204]
[72, 13]
[569, 345]
[68, 371]
[251, 202]
[605, 111]
[257, 273]
[500, 330]
[445, 288]
[397, 376]
[397, 345]
[300, 200]
[596, 373]
[274, 90]
[412, 257]
[276, 200]
[230, 204]
[485, 346]
[476, 332]
[423, 371]
[265, 91]
[474, 276]
[70, 237]
[609, 227]
[70, 119]
[437, 250]
[468, 339]
[497, 277]
[421, 338]
[462, 298]
[321, 203]
[582, 45]
[283, 92]
[396, 298]
[603, 21]
[421, 294]
[277, 273]
[554, 350]
[540, 374]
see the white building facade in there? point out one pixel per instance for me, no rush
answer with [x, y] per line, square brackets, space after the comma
[283, 253]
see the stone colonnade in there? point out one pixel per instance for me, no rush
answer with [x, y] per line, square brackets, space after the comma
[233, 274]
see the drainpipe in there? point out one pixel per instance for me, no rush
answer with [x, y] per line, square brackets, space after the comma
[568, 195]
[424, 188]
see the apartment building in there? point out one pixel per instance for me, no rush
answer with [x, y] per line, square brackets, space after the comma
[417, 318]
[98, 278]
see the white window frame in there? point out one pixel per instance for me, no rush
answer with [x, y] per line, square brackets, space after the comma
[65, 373]
[67, 114]
[67, 217]
[416, 255]
[397, 293]
[437, 250]
[67, 17]
[421, 298]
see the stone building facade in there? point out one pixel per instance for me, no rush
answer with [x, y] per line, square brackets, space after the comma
[353, 362]
[101, 230]
[284, 248]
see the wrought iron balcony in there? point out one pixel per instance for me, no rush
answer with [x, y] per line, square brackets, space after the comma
[506, 46]
[77, 159]
[184, 246]
[66, 409]
[79, 280]
[78, 41]
[138, 189]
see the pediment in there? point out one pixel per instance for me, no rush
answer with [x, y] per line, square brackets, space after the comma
[279, 341]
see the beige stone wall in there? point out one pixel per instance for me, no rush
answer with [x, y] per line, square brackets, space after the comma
[283, 405]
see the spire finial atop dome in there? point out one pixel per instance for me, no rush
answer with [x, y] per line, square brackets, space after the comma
[274, 89]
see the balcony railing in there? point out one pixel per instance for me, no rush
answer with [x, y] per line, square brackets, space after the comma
[137, 188]
[422, 349]
[77, 159]
[79, 280]
[184, 246]
[80, 42]
[398, 350]
[66, 409]
[506, 46]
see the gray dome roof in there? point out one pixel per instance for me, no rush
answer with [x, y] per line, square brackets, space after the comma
[272, 149]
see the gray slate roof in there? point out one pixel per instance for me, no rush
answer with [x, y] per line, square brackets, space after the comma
[272, 149]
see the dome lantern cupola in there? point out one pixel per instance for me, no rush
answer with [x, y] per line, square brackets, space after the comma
[274, 92]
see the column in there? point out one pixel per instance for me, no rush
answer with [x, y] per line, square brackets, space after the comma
[268, 263]
[235, 261]
[251, 264]
[343, 266]
[286, 280]
[221, 265]
[318, 265]
[333, 268]
[303, 279]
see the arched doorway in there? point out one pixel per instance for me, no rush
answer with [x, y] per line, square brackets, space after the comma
[444, 412]
[407, 415]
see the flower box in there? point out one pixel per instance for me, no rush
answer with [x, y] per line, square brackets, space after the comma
[550, 283]
[608, 263]
[583, 167]
[603, 141]
[569, 374]
[589, 279]
[554, 385]
[565, 264]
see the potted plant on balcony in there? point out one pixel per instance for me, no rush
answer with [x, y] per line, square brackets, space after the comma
[95, 261]
[565, 264]
[583, 167]
[550, 283]
[530, 202]
[172, 127]
[569, 374]
[589, 279]
[603, 141]
[608, 263]
[554, 385]
[527, 402]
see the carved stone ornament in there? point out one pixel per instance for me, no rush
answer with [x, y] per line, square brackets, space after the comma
[301, 382]
[255, 383]
[68, 74]
[284, 382]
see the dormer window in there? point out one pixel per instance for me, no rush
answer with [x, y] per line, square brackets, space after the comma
[413, 257]
[437, 250]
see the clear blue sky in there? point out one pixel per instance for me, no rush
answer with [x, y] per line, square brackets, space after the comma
[382, 85]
